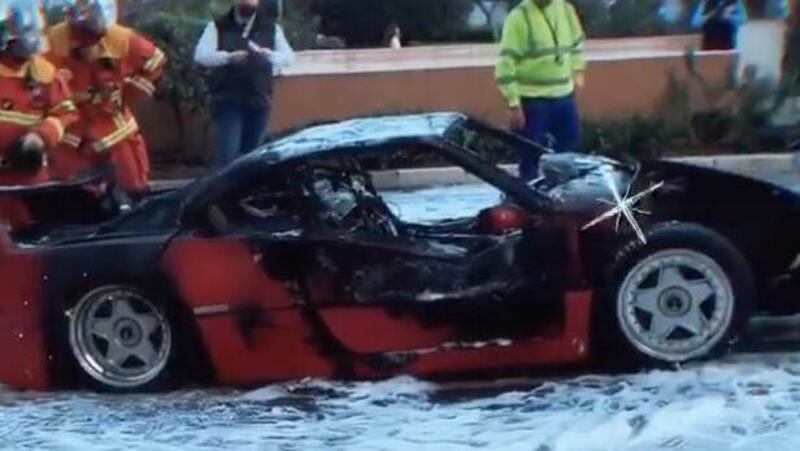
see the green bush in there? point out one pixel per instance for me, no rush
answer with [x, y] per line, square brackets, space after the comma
[626, 18]
[792, 62]
[362, 23]
[298, 24]
[635, 17]
[634, 138]
[176, 25]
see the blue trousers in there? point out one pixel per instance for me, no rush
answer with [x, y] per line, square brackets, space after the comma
[550, 122]
[238, 129]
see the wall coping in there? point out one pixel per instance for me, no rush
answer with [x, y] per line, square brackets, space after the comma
[354, 61]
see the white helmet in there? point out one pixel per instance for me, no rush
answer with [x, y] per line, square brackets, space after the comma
[23, 26]
[92, 15]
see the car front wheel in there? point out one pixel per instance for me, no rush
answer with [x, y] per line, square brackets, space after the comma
[120, 338]
[682, 296]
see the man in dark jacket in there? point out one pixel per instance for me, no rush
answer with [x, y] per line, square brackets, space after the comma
[245, 47]
[720, 21]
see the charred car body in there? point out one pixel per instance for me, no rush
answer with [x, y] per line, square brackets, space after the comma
[289, 264]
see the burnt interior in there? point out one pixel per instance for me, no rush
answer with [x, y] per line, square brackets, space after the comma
[329, 213]
[322, 225]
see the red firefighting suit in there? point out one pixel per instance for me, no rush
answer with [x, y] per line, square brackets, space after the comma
[107, 76]
[34, 97]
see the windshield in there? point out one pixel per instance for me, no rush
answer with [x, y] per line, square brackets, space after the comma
[493, 146]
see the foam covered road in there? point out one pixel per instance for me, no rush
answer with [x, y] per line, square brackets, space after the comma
[747, 402]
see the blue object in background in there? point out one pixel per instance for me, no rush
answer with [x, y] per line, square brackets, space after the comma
[671, 11]
[776, 9]
[737, 18]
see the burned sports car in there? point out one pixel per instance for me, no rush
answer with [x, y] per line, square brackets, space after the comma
[289, 263]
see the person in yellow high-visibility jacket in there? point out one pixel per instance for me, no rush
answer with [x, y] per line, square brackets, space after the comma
[541, 62]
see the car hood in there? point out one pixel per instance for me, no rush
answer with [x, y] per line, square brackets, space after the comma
[583, 184]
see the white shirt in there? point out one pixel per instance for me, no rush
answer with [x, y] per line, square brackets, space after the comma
[207, 52]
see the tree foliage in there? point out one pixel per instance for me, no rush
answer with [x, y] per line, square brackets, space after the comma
[607, 18]
[175, 26]
[792, 62]
[298, 24]
[635, 17]
[363, 22]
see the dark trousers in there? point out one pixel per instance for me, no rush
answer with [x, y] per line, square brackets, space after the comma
[238, 129]
[550, 122]
[719, 35]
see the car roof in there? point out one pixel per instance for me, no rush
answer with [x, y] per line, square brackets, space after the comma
[350, 135]
[356, 133]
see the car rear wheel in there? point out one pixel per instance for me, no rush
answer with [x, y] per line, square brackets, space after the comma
[121, 339]
[683, 296]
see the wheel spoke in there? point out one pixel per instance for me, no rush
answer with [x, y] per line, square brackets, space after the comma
[121, 308]
[148, 322]
[647, 300]
[670, 277]
[146, 352]
[700, 291]
[694, 321]
[102, 328]
[661, 327]
[117, 354]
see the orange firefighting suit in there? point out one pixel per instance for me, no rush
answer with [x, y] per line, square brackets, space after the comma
[34, 97]
[107, 76]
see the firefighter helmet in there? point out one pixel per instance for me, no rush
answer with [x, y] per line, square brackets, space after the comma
[92, 15]
[23, 26]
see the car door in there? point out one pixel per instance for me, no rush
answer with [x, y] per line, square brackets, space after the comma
[345, 290]
[382, 289]
[235, 269]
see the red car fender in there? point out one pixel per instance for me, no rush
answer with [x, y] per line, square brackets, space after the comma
[567, 343]
[211, 272]
[25, 362]
[216, 278]
[371, 329]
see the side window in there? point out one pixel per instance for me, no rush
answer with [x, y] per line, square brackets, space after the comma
[494, 146]
[264, 203]
[267, 197]
[430, 188]
[440, 203]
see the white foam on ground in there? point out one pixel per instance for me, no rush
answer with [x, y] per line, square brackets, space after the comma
[748, 402]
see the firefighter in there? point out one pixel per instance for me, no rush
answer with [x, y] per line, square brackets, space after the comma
[35, 104]
[541, 62]
[111, 67]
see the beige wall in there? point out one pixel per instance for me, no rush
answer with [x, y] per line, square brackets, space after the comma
[615, 89]
[623, 79]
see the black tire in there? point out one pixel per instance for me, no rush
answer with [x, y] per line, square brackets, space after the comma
[623, 335]
[87, 348]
